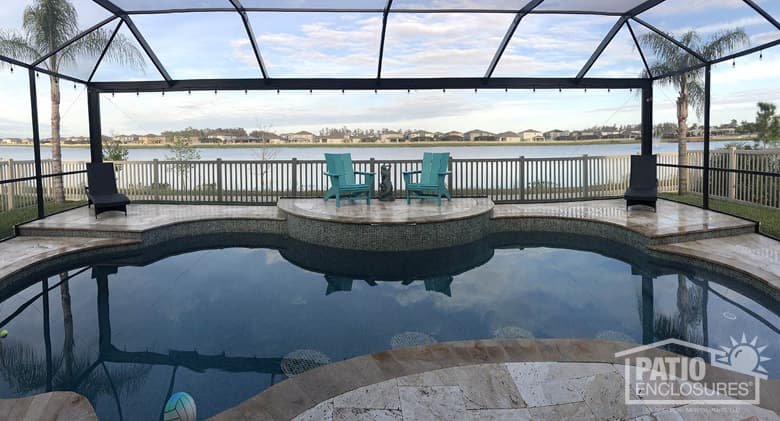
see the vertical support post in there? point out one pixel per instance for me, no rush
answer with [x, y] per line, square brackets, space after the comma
[449, 177]
[10, 190]
[521, 177]
[706, 159]
[95, 131]
[156, 187]
[47, 334]
[104, 313]
[36, 144]
[648, 316]
[585, 177]
[219, 180]
[647, 119]
[372, 169]
[732, 193]
[294, 170]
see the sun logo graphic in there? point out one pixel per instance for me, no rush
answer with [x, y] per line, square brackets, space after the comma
[743, 357]
[658, 377]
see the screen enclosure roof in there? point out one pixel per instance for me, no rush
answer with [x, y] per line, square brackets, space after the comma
[173, 40]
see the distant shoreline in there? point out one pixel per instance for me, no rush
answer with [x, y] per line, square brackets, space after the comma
[396, 144]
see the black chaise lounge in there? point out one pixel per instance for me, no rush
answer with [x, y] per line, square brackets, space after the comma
[643, 186]
[102, 189]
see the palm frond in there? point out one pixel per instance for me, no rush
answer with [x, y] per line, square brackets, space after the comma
[50, 23]
[725, 42]
[16, 45]
[696, 97]
[120, 51]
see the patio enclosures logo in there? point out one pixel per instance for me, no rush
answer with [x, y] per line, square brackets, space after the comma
[680, 380]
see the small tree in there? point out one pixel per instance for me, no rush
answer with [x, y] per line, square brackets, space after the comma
[265, 153]
[113, 150]
[767, 125]
[182, 152]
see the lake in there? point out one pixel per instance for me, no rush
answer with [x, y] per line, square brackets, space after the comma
[400, 152]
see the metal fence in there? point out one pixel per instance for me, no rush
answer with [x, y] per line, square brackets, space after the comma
[503, 180]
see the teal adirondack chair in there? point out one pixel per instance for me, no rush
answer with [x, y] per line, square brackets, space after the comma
[431, 180]
[342, 179]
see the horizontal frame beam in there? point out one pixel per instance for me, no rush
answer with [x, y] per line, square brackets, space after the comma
[371, 10]
[26, 66]
[368, 84]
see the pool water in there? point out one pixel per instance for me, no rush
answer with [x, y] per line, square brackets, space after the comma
[218, 323]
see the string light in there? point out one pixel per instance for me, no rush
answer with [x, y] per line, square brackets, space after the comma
[506, 89]
[310, 91]
[609, 90]
[534, 88]
[189, 91]
[277, 92]
[74, 86]
[760, 57]
[733, 63]
[559, 89]
[586, 90]
[374, 91]
[246, 92]
[215, 91]
[408, 91]
[137, 93]
[342, 92]
[112, 93]
[163, 93]
[444, 90]
[12, 68]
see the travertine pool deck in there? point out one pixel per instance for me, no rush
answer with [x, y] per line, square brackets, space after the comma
[81, 222]
[52, 406]
[670, 219]
[525, 379]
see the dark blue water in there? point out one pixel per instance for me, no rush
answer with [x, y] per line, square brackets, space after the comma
[23, 153]
[216, 323]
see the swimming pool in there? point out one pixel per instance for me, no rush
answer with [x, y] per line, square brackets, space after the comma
[224, 323]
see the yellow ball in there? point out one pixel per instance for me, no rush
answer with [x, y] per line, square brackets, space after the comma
[3, 333]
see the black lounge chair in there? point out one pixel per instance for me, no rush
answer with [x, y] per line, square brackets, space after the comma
[102, 189]
[643, 186]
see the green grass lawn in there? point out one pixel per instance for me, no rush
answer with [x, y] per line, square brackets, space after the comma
[16, 216]
[768, 218]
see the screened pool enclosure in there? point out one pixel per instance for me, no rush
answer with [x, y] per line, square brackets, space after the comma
[379, 45]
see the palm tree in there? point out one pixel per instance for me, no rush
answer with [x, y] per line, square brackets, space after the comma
[690, 85]
[46, 25]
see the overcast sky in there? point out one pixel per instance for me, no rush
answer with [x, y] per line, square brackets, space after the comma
[202, 45]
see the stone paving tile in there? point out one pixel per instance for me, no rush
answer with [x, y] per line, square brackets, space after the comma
[322, 412]
[540, 372]
[363, 414]
[570, 411]
[520, 414]
[382, 395]
[432, 403]
[605, 394]
[487, 386]
[554, 392]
